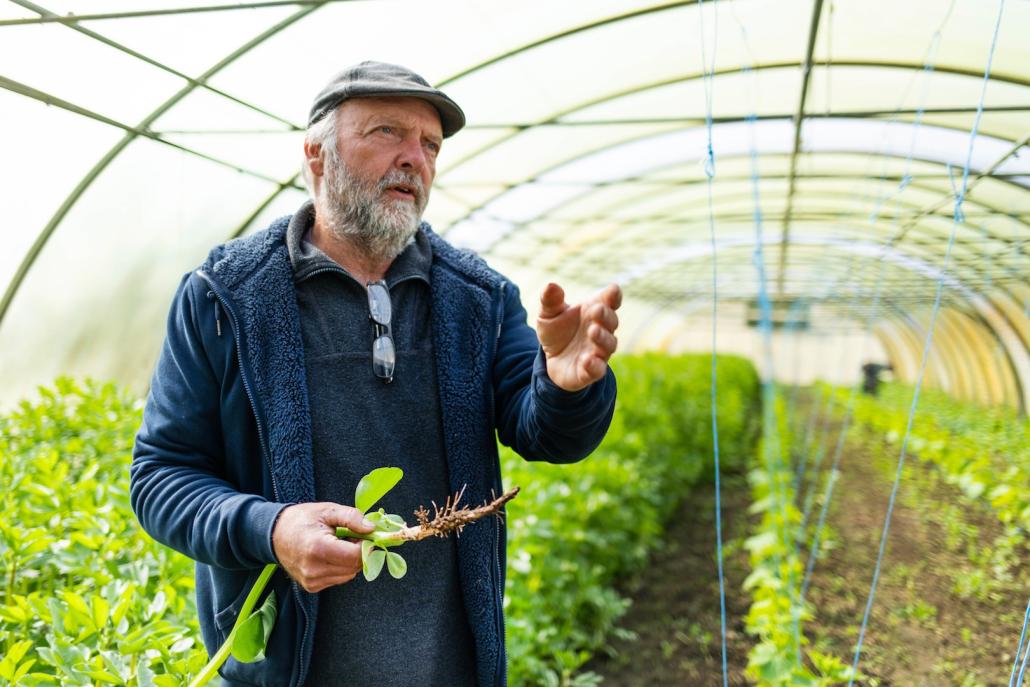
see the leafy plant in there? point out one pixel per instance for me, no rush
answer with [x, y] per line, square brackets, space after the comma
[86, 597]
[585, 527]
[982, 450]
[249, 635]
[778, 613]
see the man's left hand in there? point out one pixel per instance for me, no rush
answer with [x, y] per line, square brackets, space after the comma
[578, 339]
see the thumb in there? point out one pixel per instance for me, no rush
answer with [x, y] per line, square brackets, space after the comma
[346, 516]
[552, 301]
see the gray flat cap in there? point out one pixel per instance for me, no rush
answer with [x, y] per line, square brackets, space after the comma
[371, 79]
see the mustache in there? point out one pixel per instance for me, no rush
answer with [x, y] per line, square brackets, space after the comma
[395, 177]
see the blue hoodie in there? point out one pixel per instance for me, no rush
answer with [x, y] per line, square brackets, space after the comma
[225, 442]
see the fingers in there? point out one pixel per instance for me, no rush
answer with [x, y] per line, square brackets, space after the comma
[594, 367]
[552, 301]
[345, 516]
[612, 296]
[330, 556]
[327, 562]
[305, 544]
[603, 340]
[578, 340]
[604, 316]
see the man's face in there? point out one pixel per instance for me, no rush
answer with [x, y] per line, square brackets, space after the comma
[392, 139]
[375, 184]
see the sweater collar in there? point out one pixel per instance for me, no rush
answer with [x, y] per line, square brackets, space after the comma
[306, 258]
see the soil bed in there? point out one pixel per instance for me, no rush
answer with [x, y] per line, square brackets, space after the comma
[943, 613]
[675, 611]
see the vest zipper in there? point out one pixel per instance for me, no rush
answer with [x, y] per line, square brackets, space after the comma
[500, 676]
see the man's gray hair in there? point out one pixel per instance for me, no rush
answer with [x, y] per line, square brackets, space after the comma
[323, 134]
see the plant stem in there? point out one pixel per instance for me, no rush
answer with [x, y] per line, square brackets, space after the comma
[211, 669]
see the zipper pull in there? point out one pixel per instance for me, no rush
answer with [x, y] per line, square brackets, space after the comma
[218, 312]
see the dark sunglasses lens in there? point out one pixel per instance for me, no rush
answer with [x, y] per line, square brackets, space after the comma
[383, 357]
[379, 303]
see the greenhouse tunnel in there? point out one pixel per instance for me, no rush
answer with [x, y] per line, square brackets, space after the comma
[130, 156]
[801, 190]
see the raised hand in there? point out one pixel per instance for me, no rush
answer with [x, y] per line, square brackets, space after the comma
[578, 339]
[305, 542]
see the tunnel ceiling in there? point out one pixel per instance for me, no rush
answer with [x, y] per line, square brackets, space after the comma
[137, 136]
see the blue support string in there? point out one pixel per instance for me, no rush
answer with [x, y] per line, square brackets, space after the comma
[771, 444]
[1019, 650]
[929, 63]
[958, 215]
[708, 73]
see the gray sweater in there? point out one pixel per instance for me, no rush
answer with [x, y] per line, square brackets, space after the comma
[360, 423]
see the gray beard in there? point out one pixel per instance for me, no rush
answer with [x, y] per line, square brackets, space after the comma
[357, 211]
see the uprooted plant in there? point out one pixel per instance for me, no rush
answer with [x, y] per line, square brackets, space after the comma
[249, 635]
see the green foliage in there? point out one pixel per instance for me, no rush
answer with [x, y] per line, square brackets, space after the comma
[251, 639]
[984, 451]
[576, 530]
[372, 560]
[248, 638]
[87, 597]
[776, 616]
[374, 486]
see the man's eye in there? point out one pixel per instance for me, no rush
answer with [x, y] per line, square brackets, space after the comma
[435, 147]
[386, 130]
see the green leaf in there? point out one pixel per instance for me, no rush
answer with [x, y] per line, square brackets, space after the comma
[7, 667]
[373, 565]
[387, 522]
[396, 564]
[23, 669]
[375, 486]
[104, 676]
[144, 675]
[18, 650]
[395, 520]
[101, 611]
[251, 639]
[366, 549]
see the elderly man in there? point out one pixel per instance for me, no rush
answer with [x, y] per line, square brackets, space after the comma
[344, 338]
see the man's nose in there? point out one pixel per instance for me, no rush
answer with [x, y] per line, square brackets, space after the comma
[412, 155]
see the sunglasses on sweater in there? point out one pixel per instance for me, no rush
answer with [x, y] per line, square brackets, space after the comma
[380, 312]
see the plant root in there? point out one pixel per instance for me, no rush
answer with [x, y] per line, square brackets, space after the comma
[452, 517]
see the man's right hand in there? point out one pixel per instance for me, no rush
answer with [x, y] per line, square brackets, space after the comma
[305, 542]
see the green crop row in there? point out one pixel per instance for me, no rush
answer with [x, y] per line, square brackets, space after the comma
[87, 598]
[780, 658]
[577, 529]
[984, 451]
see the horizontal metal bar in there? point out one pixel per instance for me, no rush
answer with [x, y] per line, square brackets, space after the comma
[75, 18]
[52, 100]
[844, 114]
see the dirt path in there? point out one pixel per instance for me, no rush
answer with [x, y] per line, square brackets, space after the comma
[947, 610]
[675, 611]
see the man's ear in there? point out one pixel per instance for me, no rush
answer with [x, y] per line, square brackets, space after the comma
[313, 158]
